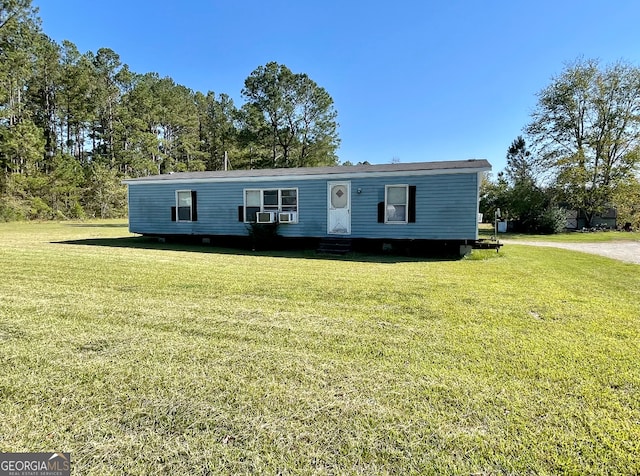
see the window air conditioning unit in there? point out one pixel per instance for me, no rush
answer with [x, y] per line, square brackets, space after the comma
[266, 217]
[286, 217]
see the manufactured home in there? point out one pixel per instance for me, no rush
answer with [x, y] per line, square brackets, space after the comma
[426, 203]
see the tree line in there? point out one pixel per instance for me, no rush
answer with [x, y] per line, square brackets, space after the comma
[584, 152]
[74, 124]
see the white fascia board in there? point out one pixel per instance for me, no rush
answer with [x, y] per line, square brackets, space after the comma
[340, 176]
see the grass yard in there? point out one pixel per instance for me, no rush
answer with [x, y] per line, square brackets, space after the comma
[487, 230]
[140, 358]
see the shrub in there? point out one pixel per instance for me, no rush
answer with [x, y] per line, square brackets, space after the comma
[263, 236]
[39, 209]
[12, 209]
[77, 211]
[553, 220]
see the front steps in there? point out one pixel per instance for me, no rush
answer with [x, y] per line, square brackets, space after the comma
[334, 246]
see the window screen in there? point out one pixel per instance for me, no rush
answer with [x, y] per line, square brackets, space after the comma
[184, 205]
[396, 203]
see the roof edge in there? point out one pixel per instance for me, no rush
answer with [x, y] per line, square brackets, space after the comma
[307, 173]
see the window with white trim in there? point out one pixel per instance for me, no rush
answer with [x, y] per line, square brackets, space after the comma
[271, 205]
[186, 206]
[396, 203]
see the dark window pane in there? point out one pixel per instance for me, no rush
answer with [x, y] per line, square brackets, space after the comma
[289, 197]
[251, 213]
[270, 197]
[184, 213]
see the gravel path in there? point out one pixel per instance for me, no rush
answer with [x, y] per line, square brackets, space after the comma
[627, 251]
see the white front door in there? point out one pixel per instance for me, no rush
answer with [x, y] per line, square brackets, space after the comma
[339, 208]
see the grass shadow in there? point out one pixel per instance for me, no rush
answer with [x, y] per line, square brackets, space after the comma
[149, 243]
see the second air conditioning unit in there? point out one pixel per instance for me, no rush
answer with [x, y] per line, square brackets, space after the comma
[286, 217]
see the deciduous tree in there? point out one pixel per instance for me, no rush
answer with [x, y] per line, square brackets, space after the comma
[586, 128]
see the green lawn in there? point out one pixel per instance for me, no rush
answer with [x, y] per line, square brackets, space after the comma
[487, 230]
[140, 358]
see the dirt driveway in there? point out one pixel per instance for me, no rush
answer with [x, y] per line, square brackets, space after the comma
[627, 251]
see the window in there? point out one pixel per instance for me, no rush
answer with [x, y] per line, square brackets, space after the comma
[289, 200]
[270, 198]
[252, 204]
[396, 203]
[399, 205]
[186, 206]
[267, 205]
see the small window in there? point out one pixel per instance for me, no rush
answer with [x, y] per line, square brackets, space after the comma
[289, 199]
[270, 198]
[253, 198]
[253, 204]
[186, 205]
[396, 203]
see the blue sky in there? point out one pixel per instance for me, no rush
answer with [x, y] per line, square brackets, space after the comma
[412, 80]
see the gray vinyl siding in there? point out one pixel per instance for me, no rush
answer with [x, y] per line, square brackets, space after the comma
[446, 207]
